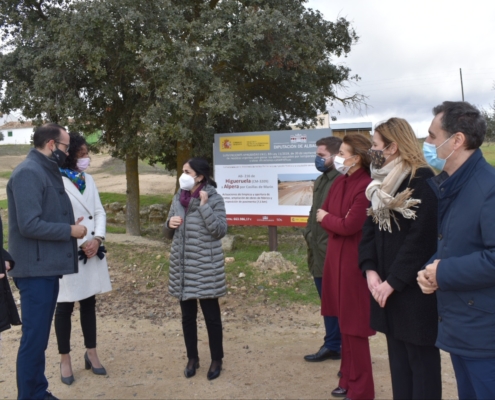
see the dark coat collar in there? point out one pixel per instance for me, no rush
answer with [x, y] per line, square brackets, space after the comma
[448, 186]
[48, 164]
[331, 174]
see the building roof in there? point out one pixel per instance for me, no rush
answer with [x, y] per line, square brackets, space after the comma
[17, 125]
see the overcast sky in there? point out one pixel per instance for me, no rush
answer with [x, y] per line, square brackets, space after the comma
[409, 54]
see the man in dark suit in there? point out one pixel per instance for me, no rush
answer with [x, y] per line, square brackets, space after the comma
[462, 271]
[42, 234]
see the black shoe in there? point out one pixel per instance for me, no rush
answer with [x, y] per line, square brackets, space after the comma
[49, 396]
[322, 355]
[88, 365]
[191, 366]
[339, 392]
[67, 380]
[215, 369]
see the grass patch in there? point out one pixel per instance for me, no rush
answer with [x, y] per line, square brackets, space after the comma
[5, 174]
[488, 150]
[14, 149]
[148, 266]
[144, 200]
[115, 229]
[283, 288]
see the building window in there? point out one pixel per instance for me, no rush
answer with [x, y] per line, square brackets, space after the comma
[9, 134]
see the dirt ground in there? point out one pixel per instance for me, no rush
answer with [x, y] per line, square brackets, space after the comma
[145, 358]
[299, 193]
[141, 345]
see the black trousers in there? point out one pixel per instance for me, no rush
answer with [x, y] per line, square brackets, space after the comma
[63, 326]
[415, 370]
[213, 320]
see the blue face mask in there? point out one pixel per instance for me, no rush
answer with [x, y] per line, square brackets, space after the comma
[431, 156]
[320, 164]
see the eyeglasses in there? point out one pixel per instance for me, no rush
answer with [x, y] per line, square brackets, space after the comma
[66, 146]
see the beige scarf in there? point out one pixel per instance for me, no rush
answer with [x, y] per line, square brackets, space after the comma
[382, 194]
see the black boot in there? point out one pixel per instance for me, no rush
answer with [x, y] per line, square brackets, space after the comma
[322, 355]
[215, 369]
[191, 366]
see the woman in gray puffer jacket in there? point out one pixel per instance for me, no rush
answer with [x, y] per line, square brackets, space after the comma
[196, 223]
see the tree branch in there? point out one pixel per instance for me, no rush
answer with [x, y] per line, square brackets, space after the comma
[39, 10]
[213, 3]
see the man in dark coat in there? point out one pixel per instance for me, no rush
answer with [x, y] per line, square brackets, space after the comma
[42, 234]
[317, 238]
[462, 271]
[8, 310]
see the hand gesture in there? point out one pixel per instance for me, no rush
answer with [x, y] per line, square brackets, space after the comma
[174, 222]
[382, 292]
[320, 214]
[204, 197]
[373, 280]
[91, 248]
[78, 231]
[7, 268]
[427, 278]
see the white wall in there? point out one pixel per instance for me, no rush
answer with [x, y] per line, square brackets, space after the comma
[19, 136]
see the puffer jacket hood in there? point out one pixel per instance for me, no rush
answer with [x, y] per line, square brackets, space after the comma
[197, 268]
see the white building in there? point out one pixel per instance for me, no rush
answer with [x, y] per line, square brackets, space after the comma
[323, 122]
[16, 132]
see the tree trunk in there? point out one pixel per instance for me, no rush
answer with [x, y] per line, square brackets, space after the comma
[184, 153]
[132, 222]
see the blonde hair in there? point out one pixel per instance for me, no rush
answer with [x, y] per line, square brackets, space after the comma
[398, 131]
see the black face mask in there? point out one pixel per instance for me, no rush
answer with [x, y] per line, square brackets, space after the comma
[59, 157]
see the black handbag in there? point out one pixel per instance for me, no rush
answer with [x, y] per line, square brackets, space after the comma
[8, 310]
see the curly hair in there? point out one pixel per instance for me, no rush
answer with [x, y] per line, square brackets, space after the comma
[76, 142]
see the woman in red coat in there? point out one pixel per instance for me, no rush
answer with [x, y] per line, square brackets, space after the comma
[344, 289]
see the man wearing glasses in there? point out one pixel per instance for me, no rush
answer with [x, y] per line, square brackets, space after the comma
[42, 240]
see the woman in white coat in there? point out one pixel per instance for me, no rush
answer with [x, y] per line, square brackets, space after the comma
[93, 277]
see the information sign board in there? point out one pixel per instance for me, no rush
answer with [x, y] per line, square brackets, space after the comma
[266, 178]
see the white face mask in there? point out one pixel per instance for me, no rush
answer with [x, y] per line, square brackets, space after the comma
[339, 164]
[186, 182]
[83, 164]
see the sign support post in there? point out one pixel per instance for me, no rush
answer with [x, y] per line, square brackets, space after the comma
[272, 238]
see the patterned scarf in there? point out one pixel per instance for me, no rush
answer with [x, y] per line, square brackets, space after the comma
[382, 192]
[77, 178]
